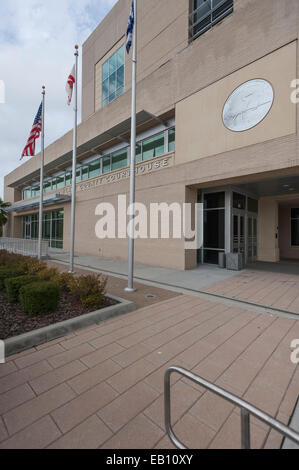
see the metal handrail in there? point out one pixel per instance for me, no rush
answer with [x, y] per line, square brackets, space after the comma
[246, 410]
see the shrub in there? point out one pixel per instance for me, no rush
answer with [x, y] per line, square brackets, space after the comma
[88, 288]
[14, 285]
[10, 259]
[93, 301]
[39, 298]
[64, 280]
[8, 273]
[47, 274]
[34, 266]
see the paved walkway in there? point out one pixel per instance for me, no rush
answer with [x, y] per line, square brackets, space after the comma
[194, 280]
[276, 290]
[103, 387]
[268, 284]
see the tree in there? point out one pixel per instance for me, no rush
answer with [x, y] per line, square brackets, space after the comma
[3, 214]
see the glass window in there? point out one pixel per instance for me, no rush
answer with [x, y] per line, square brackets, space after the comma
[295, 227]
[47, 186]
[95, 169]
[153, 147]
[171, 140]
[239, 201]
[106, 164]
[295, 213]
[253, 205]
[214, 228]
[54, 183]
[35, 191]
[206, 13]
[105, 70]
[78, 175]
[27, 193]
[214, 200]
[119, 159]
[139, 152]
[113, 76]
[68, 178]
[52, 227]
[85, 175]
[60, 182]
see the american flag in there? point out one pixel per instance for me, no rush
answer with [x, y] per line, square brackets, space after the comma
[29, 150]
[130, 28]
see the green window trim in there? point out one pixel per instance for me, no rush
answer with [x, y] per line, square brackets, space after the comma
[146, 149]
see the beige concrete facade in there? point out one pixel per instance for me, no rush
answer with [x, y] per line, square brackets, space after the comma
[191, 83]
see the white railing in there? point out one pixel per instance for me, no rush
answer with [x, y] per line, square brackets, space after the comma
[24, 247]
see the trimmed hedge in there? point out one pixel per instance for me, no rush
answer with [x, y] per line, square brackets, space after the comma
[8, 273]
[39, 298]
[13, 286]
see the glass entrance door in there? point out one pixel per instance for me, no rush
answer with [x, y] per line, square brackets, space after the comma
[252, 239]
[239, 233]
[27, 230]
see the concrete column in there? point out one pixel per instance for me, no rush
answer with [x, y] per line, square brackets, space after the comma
[268, 243]
[228, 221]
[191, 255]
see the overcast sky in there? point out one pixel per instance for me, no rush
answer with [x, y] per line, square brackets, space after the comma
[37, 39]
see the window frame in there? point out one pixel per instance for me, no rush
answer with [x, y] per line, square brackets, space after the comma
[194, 21]
[119, 90]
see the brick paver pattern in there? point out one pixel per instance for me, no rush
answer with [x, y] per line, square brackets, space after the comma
[276, 290]
[103, 386]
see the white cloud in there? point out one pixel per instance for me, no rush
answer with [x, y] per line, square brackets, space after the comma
[37, 39]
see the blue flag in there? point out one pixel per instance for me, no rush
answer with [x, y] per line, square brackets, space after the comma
[130, 29]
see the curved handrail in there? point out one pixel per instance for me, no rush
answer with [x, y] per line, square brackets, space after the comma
[246, 409]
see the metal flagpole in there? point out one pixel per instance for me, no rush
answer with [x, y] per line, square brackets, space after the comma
[73, 214]
[130, 287]
[40, 231]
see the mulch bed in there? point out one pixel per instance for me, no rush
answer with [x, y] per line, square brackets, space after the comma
[14, 322]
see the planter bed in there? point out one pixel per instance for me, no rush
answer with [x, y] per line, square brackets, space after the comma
[21, 332]
[14, 322]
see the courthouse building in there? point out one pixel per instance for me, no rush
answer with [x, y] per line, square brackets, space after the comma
[215, 124]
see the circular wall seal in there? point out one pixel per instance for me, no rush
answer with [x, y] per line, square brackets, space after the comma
[248, 105]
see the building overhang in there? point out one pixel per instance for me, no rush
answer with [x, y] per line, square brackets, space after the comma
[119, 133]
[33, 204]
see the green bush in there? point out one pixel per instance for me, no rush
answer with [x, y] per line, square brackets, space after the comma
[47, 274]
[13, 286]
[39, 298]
[89, 289]
[34, 266]
[64, 280]
[93, 301]
[9, 272]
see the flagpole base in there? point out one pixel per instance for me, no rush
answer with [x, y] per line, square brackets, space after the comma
[130, 290]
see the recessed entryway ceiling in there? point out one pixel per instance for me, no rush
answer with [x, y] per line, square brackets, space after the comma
[273, 187]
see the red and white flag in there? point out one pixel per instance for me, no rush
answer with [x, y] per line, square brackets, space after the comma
[70, 85]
